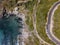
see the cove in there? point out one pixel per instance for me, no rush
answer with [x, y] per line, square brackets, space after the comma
[9, 29]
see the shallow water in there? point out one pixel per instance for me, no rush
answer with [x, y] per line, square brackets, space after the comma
[1, 36]
[9, 29]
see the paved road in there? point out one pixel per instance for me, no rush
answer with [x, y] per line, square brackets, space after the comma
[48, 30]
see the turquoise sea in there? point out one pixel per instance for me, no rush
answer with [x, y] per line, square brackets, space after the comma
[9, 29]
[1, 37]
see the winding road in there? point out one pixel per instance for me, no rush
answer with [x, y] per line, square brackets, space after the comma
[50, 24]
[35, 29]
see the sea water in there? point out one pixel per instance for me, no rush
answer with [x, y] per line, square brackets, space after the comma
[1, 36]
[9, 29]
